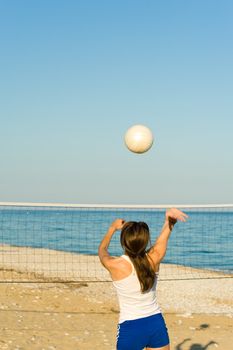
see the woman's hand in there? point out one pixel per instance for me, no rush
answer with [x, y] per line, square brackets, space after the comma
[118, 224]
[173, 215]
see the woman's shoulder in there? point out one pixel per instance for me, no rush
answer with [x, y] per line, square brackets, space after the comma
[121, 262]
[120, 268]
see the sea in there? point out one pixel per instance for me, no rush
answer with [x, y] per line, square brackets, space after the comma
[204, 241]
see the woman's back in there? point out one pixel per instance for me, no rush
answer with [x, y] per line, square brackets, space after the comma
[133, 303]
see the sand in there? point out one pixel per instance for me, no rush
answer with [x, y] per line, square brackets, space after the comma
[84, 315]
[57, 265]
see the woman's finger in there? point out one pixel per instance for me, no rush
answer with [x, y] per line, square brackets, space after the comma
[182, 218]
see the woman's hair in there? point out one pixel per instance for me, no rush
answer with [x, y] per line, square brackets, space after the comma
[135, 237]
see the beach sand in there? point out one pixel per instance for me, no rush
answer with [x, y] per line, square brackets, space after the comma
[84, 315]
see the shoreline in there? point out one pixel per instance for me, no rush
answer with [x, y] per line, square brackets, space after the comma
[187, 290]
[58, 265]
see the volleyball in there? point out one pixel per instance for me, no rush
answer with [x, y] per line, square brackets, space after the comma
[139, 139]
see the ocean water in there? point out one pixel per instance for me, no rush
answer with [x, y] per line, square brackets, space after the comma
[205, 240]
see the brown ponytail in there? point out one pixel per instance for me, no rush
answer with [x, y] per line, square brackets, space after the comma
[135, 237]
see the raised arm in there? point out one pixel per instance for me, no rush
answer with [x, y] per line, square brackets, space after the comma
[158, 250]
[104, 255]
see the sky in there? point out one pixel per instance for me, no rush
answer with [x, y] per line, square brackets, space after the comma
[75, 75]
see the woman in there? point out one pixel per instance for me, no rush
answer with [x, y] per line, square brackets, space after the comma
[134, 274]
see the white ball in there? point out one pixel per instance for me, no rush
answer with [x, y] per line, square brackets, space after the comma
[139, 139]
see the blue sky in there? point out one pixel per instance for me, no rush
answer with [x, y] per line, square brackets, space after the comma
[75, 75]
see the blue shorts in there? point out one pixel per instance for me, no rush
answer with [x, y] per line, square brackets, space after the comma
[144, 332]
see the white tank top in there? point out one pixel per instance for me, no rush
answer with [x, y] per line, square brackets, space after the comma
[133, 303]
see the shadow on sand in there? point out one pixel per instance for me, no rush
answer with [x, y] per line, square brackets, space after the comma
[194, 346]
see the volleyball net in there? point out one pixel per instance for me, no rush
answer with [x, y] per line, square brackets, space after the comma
[59, 243]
